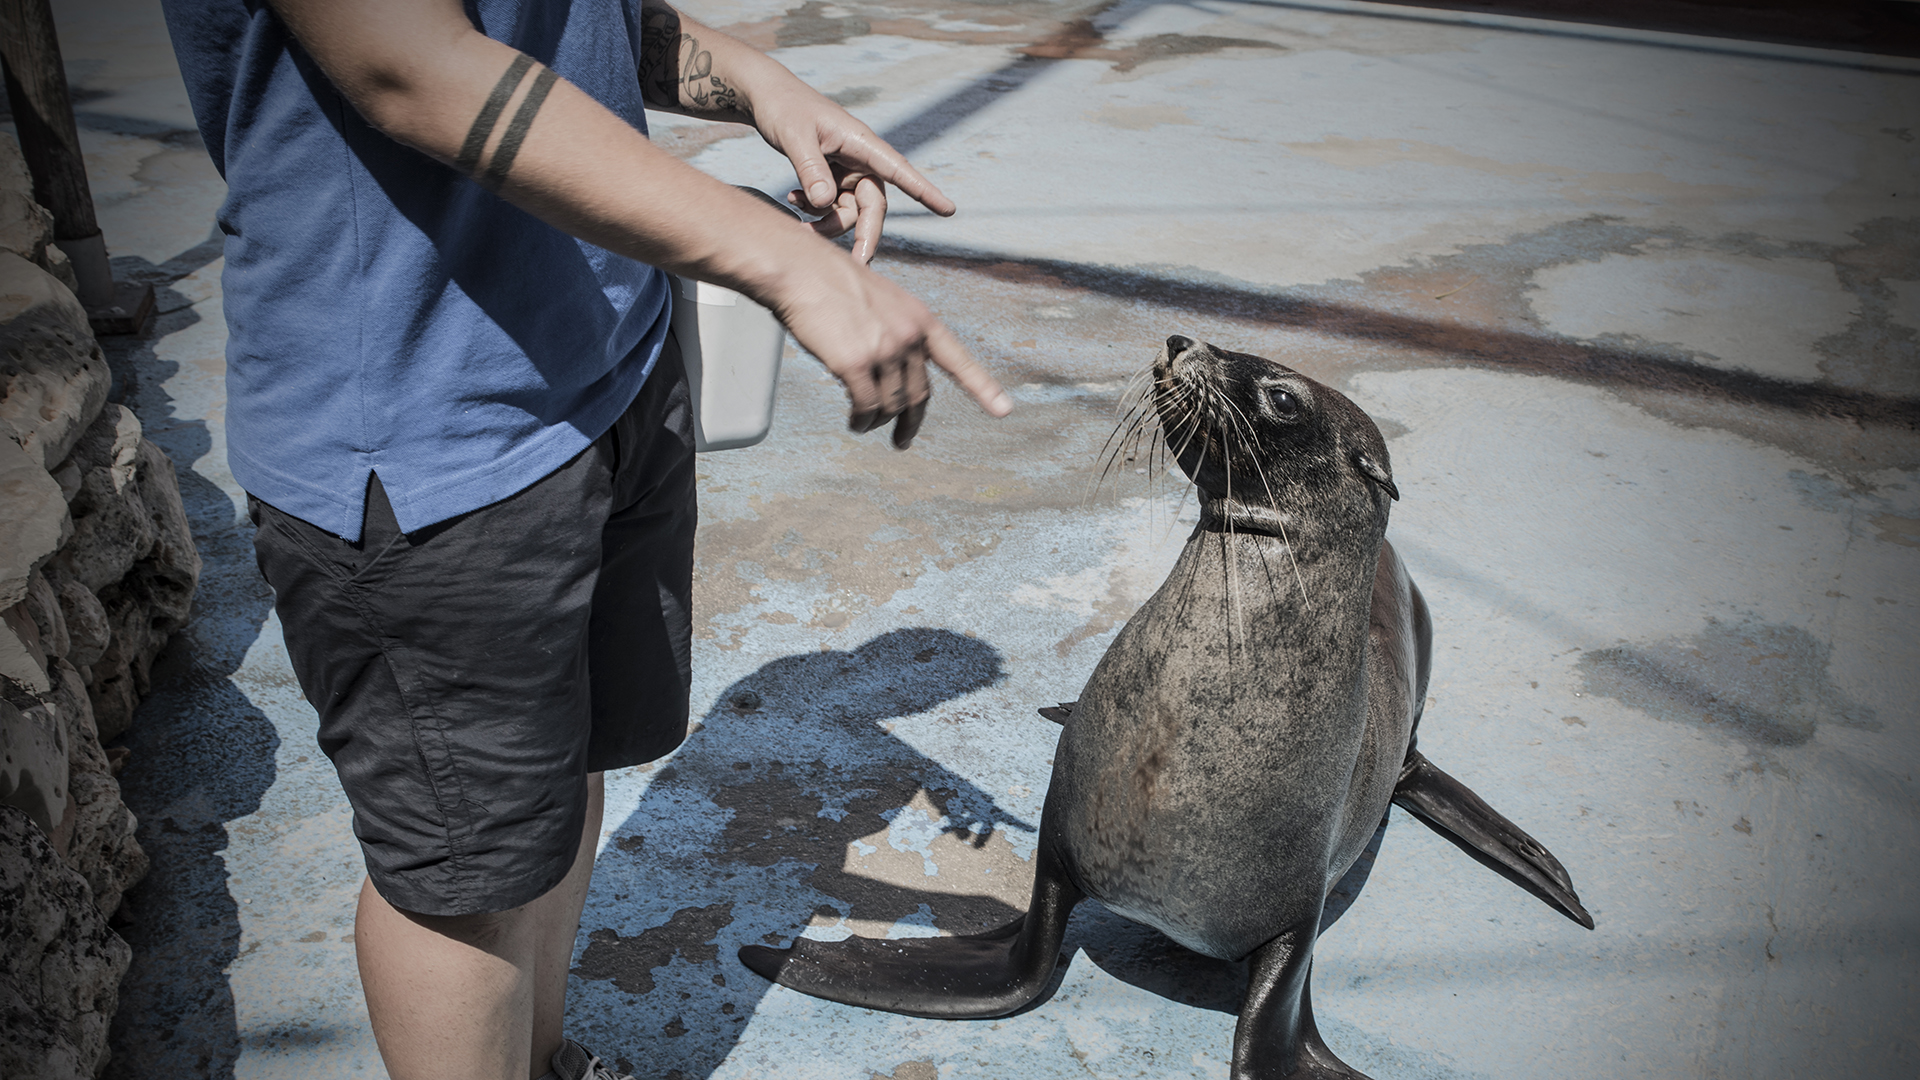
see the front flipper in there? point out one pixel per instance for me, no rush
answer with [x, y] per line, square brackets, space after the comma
[1276, 1037]
[1060, 713]
[1451, 809]
[943, 978]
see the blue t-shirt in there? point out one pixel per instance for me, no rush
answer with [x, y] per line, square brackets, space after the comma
[386, 314]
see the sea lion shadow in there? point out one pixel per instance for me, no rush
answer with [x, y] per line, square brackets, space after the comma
[793, 808]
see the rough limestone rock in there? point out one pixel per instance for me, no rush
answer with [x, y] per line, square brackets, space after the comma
[35, 772]
[60, 964]
[35, 524]
[85, 619]
[98, 833]
[53, 376]
[131, 547]
[97, 570]
[111, 527]
[26, 229]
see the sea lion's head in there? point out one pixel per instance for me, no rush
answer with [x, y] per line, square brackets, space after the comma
[1265, 445]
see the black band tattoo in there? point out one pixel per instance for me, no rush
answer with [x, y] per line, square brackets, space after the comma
[482, 129]
[509, 148]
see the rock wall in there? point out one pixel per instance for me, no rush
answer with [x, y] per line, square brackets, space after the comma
[97, 570]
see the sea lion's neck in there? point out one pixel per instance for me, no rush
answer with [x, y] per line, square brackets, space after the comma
[1229, 515]
[1282, 564]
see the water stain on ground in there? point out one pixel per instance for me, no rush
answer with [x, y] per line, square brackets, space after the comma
[1082, 40]
[630, 961]
[813, 24]
[1760, 683]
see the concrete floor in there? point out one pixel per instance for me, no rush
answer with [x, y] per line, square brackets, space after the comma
[1638, 313]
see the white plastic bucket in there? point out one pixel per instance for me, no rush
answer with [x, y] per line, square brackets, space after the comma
[732, 348]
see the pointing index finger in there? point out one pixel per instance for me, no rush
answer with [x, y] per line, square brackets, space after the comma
[872, 154]
[952, 357]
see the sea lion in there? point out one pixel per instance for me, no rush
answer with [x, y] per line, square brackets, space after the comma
[1238, 745]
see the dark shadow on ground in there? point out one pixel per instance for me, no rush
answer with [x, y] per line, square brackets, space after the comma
[202, 754]
[756, 827]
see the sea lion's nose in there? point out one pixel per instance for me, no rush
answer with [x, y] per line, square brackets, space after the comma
[1178, 344]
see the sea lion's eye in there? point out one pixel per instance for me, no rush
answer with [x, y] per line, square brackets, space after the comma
[1285, 405]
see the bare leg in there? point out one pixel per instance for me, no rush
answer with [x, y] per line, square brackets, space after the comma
[558, 934]
[473, 997]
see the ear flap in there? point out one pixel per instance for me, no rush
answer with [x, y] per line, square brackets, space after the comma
[1365, 463]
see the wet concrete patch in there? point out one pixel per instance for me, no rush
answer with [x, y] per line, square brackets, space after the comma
[1082, 40]
[630, 961]
[816, 23]
[1703, 302]
[1760, 683]
[1882, 274]
[892, 848]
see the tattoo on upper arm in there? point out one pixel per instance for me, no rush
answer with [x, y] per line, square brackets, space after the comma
[676, 72]
[509, 149]
[501, 161]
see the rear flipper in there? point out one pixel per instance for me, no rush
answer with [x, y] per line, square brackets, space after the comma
[1451, 809]
[1276, 1036]
[944, 978]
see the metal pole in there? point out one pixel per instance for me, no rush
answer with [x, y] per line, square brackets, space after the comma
[50, 141]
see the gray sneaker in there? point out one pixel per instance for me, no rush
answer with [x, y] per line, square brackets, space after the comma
[573, 1062]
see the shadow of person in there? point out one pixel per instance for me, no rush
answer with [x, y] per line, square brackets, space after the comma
[794, 807]
[202, 753]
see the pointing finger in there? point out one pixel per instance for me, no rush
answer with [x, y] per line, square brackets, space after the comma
[946, 351]
[870, 153]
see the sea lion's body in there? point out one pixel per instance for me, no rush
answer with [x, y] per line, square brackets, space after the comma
[1214, 785]
[1240, 741]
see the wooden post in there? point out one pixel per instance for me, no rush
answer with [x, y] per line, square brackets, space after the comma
[42, 110]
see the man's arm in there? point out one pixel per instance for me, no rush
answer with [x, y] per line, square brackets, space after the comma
[419, 71]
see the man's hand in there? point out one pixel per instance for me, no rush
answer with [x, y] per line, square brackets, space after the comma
[878, 340]
[843, 167]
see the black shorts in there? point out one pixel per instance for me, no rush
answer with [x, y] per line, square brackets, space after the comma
[469, 675]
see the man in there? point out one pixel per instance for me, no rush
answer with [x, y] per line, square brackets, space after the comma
[463, 423]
